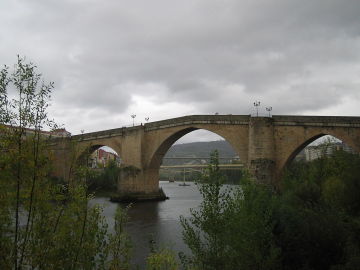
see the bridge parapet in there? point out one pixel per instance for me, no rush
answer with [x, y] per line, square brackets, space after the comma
[199, 119]
[279, 120]
[318, 121]
[179, 121]
[105, 133]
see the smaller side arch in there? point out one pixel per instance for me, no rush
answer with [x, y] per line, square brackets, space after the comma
[300, 148]
[308, 141]
[84, 154]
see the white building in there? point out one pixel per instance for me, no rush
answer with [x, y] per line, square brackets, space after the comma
[313, 152]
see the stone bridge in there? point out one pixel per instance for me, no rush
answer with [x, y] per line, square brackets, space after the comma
[264, 144]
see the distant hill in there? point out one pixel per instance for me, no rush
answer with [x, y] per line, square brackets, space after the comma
[197, 149]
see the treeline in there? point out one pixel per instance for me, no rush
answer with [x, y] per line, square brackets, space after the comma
[195, 150]
[45, 224]
[201, 149]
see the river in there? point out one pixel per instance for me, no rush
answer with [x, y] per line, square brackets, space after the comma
[159, 220]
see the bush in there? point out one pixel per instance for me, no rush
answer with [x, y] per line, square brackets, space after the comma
[106, 180]
[232, 229]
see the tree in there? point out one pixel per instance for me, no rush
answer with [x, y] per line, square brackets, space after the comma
[106, 180]
[43, 225]
[22, 145]
[162, 258]
[232, 228]
[312, 222]
[318, 220]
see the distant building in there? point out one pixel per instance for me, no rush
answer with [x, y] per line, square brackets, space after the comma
[235, 160]
[301, 156]
[312, 152]
[100, 158]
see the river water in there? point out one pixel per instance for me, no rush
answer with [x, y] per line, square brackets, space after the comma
[157, 220]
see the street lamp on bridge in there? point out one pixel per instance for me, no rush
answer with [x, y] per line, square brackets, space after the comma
[133, 117]
[257, 104]
[269, 109]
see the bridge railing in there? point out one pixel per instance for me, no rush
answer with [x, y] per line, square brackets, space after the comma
[345, 121]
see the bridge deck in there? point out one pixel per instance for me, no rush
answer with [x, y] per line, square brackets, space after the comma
[278, 120]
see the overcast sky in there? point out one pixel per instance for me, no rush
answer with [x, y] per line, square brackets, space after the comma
[164, 58]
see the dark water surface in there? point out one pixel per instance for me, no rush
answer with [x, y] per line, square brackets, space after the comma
[157, 219]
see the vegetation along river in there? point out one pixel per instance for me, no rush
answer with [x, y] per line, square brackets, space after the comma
[159, 220]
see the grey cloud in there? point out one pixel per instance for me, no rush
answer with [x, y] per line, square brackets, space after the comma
[189, 52]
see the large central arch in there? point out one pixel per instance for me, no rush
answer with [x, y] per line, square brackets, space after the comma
[156, 160]
[238, 141]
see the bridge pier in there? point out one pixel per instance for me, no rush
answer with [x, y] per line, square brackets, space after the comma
[138, 185]
[261, 155]
[135, 182]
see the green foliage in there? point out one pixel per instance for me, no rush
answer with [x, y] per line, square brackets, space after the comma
[312, 223]
[232, 227]
[24, 162]
[120, 246]
[105, 179]
[161, 258]
[233, 177]
[68, 235]
[318, 224]
[44, 224]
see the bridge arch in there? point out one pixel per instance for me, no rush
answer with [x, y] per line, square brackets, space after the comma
[165, 145]
[342, 136]
[299, 148]
[85, 154]
[238, 141]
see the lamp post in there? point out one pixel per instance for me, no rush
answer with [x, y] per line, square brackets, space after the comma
[257, 104]
[133, 117]
[269, 109]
